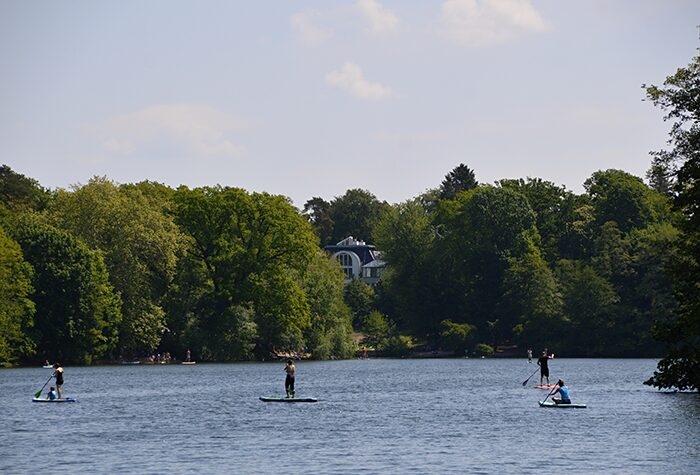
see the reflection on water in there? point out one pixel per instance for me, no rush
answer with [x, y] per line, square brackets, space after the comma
[376, 416]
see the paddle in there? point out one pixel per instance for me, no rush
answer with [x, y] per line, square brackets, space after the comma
[38, 393]
[550, 393]
[528, 379]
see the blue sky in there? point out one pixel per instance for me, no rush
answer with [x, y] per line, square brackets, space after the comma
[311, 98]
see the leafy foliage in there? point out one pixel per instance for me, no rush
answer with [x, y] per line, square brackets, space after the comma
[16, 309]
[77, 310]
[679, 98]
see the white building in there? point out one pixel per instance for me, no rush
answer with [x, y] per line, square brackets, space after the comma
[358, 260]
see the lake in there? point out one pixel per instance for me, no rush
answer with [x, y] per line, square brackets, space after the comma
[374, 416]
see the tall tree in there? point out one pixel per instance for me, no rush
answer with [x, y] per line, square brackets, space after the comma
[329, 335]
[624, 198]
[679, 98]
[406, 237]
[250, 246]
[355, 214]
[140, 243]
[359, 297]
[484, 229]
[17, 190]
[460, 178]
[318, 212]
[77, 310]
[553, 206]
[16, 309]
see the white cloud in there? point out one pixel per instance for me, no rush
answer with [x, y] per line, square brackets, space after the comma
[351, 79]
[195, 130]
[306, 28]
[484, 22]
[379, 18]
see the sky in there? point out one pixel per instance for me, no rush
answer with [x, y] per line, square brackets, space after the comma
[309, 98]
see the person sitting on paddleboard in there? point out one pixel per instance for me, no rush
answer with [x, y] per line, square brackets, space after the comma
[52, 393]
[564, 391]
[58, 373]
[289, 380]
[543, 363]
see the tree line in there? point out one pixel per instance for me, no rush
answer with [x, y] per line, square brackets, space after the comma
[107, 270]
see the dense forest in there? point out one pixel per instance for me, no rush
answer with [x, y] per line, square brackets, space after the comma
[107, 271]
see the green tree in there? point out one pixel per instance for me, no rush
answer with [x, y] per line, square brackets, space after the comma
[455, 336]
[359, 297]
[483, 230]
[318, 212]
[459, 179]
[77, 311]
[553, 206]
[589, 306]
[19, 191]
[679, 98]
[355, 214]
[16, 309]
[406, 237]
[329, 335]
[140, 242]
[618, 196]
[378, 329]
[532, 304]
[250, 246]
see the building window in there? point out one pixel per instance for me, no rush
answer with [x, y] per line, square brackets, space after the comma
[346, 264]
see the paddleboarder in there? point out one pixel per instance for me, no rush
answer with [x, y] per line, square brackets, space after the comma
[188, 355]
[543, 363]
[564, 391]
[58, 373]
[290, 369]
[529, 355]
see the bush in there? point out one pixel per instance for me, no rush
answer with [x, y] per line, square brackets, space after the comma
[482, 349]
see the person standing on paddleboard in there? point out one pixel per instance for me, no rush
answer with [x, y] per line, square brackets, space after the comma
[290, 369]
[543, 363]
[564, 391]
[529, 355]
[58, 373]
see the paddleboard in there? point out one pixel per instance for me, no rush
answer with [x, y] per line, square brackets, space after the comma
[47, 366]
[551, 386]
[288, 399]
[129, 362]
[189, 362]
[563, 406]
[65, 399]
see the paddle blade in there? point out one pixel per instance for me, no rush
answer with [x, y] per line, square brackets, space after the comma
[38, 393]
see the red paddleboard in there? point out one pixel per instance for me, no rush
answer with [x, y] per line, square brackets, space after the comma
[551, 386]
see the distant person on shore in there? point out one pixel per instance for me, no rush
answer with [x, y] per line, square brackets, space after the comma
[564, 391]
[58, 374]
[290, 369]
[529, 355]
[543, 363]
[51, 395]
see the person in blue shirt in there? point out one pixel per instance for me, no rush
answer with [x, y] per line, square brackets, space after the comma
[52, 394]
[564, 391]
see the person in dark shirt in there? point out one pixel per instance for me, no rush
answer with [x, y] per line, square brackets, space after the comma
[543, 363]
[58, 374]
[290, 369]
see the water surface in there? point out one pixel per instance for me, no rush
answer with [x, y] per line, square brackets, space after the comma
[374, 416]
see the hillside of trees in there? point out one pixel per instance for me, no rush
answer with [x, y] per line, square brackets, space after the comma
[107, 271]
